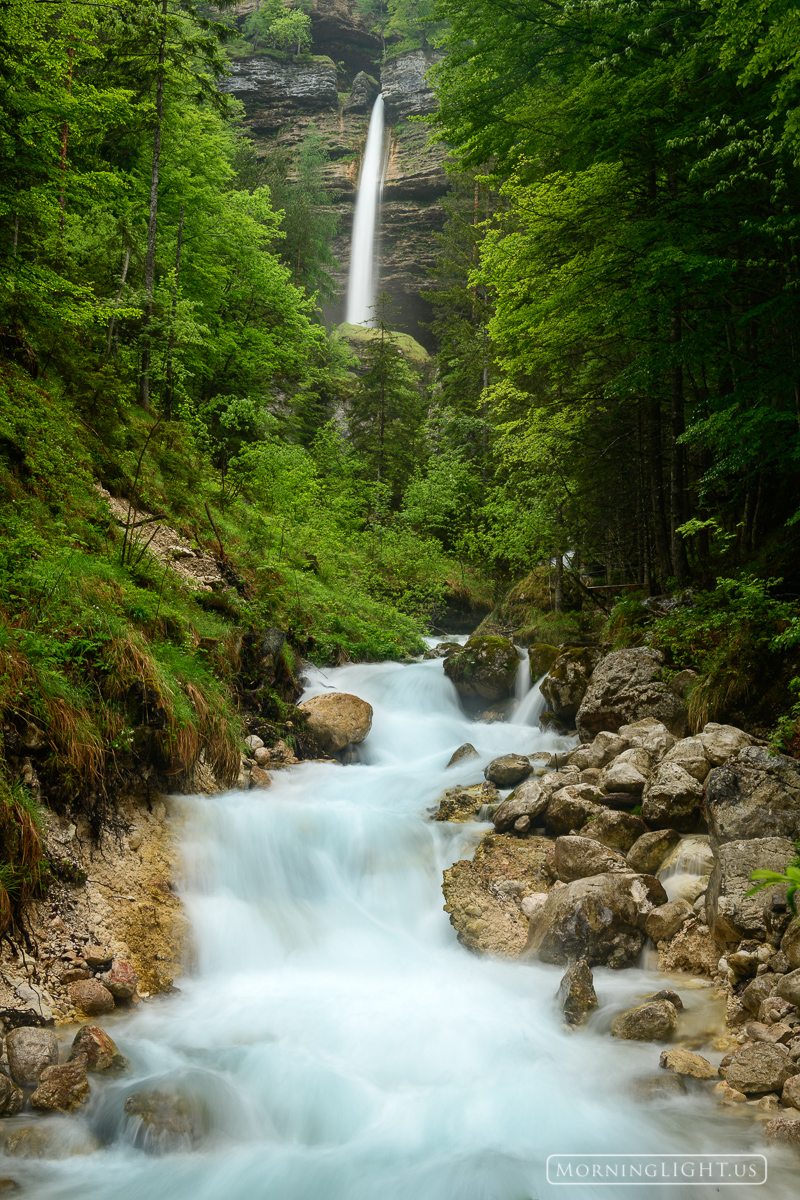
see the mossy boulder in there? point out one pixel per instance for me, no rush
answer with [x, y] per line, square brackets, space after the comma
[565, 684]
[485, 666]
[541, 658]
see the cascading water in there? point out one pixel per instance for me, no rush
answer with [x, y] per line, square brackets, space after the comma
[360, 287]
[335, 1042]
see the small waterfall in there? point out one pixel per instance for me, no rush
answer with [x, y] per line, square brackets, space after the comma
[360, 287]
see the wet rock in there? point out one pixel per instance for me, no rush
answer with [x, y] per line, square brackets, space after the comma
[485, 666]
[29, 1051]
[566, 682]
[362, 94]
[626, 687]
[661, 1087]
[760, 1068]
[668, 994]
[464, 803]
[579, 858]
[576, 994]
[566, 811]
[754, 795]
[337, 719]
[672, 798]
[540, 659]
[721, 742]
[649, 851]
[528, 800]
[91, 997]
[121, 979]
[600, 752]
[28, 1142]
[64, 1088]
[788, 987]
[99, 1049]
[783, 1129]
[167, 1120]
[462, 754]
[651, 1022]
[259, 778]
[508, 771]
[599, 919]
[619, 830]
[690, 754]
[664, 922]
[729, 912]
[684, 1062]
[11, 1097]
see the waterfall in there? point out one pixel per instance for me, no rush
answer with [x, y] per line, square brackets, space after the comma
[360, 287]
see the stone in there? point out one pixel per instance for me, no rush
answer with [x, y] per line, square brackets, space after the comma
[566, 682]
[729, 912]
[684, 1062]
[619, 830]
[362, 94]
[650, 735]
[649, 851]
[11, 1097]
[522, 825]
[756, 992]
[98, 1048]
[281, 90]
[791, 1092]
[672, 799]
[528, 800]
[692, 949]
[759, 1068]
[600, 752]
[484, 666]
[788, 987]
[166, 1120]
[259, 778]
[576, 993]
[540, 659]
[755, 794]
[121, 979]
[337, 719]
[690, 754]
[464, 803]
[566, 811]
[405, 87]
[261, 755]
[651, 1022]
[91, 997]
[73, 974]
[64, 1088]
[721, 742]
[253, 743]
[508, 771]
[625, 687]
[96, 956]
[580, 857]
[790, 944]
[664, 922]
[783, 1129]
[463, 753]
[668, 994]
[661, 1087]
[29, 1051]
[599, 919]
[623, 777]
[774, 1009]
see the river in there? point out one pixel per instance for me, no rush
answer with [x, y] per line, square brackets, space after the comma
[339, 1041]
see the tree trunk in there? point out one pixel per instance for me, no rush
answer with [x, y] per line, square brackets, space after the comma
[170, 381]
[677, 468]
[150, 259]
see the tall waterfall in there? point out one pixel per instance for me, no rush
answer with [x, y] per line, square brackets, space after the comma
[360, 287]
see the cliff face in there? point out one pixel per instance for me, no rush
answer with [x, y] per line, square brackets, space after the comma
[281, 99]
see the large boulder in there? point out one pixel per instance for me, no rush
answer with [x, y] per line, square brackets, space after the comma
[120, 979]
[11, 1097]
[730, 915]
[485, 666]
[91, 998]
[599, 753]
[721, 742]
[650, 735]
[672, 798]
[690, 754]
[684, 1062]
[600, 919]
[566, 810]
[528, 800]
[754, 794]
[99, 1049]
[540, 659]
[362, 94]
[337, 719]
[566, 682]
[626, 687]
[508, 771]
[166, 1120]
[29, 1051]
[579, 858]
[64, 1088]
[762, 1067]
[649, 851]
[664, 922]
[652, 1022]
[619, 830]
[624, 776]
[576, 993]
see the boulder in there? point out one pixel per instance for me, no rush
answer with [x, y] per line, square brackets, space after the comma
[651, 1022]
[566, 682]
[760, 1068]
[576, 993]
[721, 742]
[788, 987]
[566, 811]
[120, 979]
[684, 1062]
[600, 752]
[672, 799]
[619, 830]
[528, 800]
[668, 994]
[508, 771]
[783, 1129]
[91, 997]
[337, 719]
[755, 794]
[692, 949]
[580, 857]
[462, 754]
[729, 913]
[626, 687]
[97, 956]
[253, 743]
[540, 659]
[690, 754]
[791, 1092]
[464, 803]
[790, 945]
[664, 922]
[485, 666]
[362, 94]
[11, 1097]
[29, 1051]
[649, 851]
[756, 992]
[623, 777]
[99, 1049]
[64, 1088]
[166, 1120]
[649, 735]
[259, 778]
[600, 919]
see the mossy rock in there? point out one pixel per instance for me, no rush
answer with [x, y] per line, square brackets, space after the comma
[485, 666]
[541, 658]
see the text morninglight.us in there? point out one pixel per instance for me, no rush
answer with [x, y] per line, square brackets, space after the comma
[654, 1169]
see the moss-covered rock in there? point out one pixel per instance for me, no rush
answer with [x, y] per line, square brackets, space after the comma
[566, 682]
[541, 658]
[485, 666]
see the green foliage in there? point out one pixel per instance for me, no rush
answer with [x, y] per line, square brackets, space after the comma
[790, 877]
